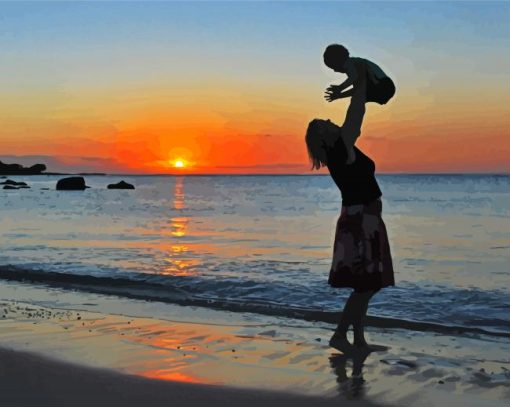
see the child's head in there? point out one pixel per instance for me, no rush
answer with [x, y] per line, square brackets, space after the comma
[335, 56]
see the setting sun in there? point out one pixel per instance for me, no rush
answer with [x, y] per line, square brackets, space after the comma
[179, 164]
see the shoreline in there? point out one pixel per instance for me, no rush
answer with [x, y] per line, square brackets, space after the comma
[248, 353]
[135, 290]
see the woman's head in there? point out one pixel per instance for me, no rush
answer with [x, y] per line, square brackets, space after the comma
[321, 135]
[335, 56]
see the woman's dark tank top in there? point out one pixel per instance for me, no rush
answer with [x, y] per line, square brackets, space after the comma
[356, 181]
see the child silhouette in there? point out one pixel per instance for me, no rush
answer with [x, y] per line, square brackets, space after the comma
[369, 84]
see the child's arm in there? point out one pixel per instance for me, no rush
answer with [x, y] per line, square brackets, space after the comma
[352, 76]
[356, 74]
[332, 94]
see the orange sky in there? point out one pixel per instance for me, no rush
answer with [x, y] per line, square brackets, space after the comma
[145, 130]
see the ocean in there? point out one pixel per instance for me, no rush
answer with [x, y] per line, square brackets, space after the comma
[263, 244]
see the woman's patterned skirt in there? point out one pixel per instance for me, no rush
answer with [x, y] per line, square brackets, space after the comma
[361, 251]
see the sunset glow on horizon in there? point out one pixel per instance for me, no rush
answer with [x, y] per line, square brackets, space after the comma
[217, 88]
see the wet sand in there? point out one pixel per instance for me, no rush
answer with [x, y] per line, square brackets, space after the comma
[32, 380]
[52, 345]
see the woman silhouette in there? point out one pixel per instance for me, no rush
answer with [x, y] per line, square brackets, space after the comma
[361, 252]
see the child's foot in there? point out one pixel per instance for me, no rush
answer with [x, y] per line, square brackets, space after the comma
[341, 343]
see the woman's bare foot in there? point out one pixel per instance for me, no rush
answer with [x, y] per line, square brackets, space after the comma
[363, 346]
[341, 343]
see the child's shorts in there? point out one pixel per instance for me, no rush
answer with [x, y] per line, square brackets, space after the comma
[380, 92]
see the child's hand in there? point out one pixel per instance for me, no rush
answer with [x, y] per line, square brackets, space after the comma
[332, 93]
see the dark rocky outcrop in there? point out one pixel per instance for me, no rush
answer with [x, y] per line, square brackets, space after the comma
[10, 184]
[121, 185]
[37, 168]
[13, 183]
[18, 169]
[71, 184]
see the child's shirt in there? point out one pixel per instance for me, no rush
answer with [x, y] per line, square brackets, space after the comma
[354, 65]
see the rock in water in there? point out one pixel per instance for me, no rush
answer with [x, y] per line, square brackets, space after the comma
[121, 185]
[13, 183]
[10, 187]
[71, 184]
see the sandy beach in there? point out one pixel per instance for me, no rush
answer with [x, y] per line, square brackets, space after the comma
[192, 356]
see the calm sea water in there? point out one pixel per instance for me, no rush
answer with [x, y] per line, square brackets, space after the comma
[266, 241]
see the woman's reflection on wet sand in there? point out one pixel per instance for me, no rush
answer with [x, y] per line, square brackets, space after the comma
[354, 387]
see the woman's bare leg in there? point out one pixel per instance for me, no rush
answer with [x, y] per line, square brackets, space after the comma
[354, 313]
[352, 309]
[359, 316]
[346, 318]
[339, 339]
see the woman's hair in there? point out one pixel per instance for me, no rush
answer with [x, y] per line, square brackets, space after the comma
[320, 137]
[335, 55]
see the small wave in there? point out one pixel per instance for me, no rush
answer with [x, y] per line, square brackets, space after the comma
[154, 291]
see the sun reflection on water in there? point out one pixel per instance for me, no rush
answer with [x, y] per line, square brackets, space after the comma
[179, 226]
[179, 193]
[180, 267]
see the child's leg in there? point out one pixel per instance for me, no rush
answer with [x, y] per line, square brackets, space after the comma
[381, 92]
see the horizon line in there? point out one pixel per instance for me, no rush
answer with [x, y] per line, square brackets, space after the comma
[255, 174]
